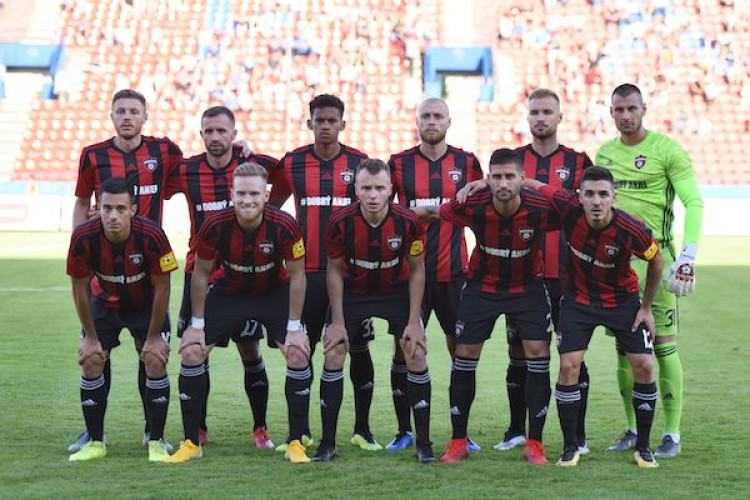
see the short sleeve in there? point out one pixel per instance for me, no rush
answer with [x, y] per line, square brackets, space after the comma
[78, 258]
[208, 239]
[335, 238]
[85, 182]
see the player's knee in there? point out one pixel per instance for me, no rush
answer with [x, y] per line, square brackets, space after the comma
[516, 351]
[249, 351]
[471, 351]
[536, 349]
[643, 368]
[155, 368]
[192, 355]
[335, 357]
[295, 358]
[92, 367]
[570, 367]
[398, 352]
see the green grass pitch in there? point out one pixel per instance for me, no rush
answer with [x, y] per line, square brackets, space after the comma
[41, 413]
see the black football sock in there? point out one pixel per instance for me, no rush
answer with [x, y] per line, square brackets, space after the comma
[362, 374]
[420, 389]
[537, 395]
[331, 394]
[462, 391]
[568, 399]
[256, 388]
[583, 382]
[192, 385]
[204, 410]
[399, 392]
[157, 403]
[142, 391]
[515, 381]
[93, 397]
[107, 372]
[297, 391]
[644, 403]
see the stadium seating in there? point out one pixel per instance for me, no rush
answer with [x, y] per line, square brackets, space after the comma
[266, 59]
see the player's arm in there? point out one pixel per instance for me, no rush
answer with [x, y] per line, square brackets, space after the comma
[530, 183]
[653, 275]
[89, 345]
[82, 210]
[281, 190]
[296, 335]
[413, 338]
[195, 333]
[471, 188]
[427, 214]
[336, 331]
[155, 344]
[681, 274]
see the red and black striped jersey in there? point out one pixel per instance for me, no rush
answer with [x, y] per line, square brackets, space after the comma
[507, 257]
[251, 263]
[121, 271]
[375, 259]
[419, 181]
[208, 189]
[320, 188]
[147, 168]
[598, 268]
[562, 168]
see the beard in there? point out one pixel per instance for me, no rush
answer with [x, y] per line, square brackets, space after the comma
[433, 139]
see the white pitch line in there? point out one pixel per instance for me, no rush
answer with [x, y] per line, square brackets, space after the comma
[35, 290]
[25, 251]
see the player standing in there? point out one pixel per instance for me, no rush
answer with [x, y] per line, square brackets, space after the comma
[602, 289]
[206, 181]
[375, 268]
[505, 277]
[431, 174]
[146, 162]
[321, 178]
[261, 253]
[649, 168]
[130, 259]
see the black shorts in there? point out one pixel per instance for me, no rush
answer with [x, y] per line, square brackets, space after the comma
[555, 292]
[186, 312]
[577, 324]
[237, 317]
[360, 309]
[443, 298]
[528, 313]
[315, 312]
[109, 322]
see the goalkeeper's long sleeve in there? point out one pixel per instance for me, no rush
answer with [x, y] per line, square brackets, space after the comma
[690, 196]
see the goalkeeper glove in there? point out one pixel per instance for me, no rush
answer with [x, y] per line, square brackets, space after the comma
[681, 274]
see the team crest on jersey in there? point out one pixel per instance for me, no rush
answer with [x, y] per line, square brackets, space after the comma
[611, 250]
[459, 328]
[266, 247]
[394, 242]
[526, 233]
[563, 173]
[455, 174]
[136, 259]
[151, 164]
[640, 161]
[347, 176]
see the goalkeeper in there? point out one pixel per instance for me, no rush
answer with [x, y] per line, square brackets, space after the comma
[649, 169]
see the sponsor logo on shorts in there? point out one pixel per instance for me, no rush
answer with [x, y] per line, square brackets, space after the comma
[459, 328]
[558, 339]
[639, 162]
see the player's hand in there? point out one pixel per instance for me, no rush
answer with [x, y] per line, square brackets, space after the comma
[155, 347]
[681, 274]
[644, 318]
[335, 335]
[194, 336]
[88, 347]
[297, 339]
[244, 147]
[92, 212]
[469, 189]
[413, 341]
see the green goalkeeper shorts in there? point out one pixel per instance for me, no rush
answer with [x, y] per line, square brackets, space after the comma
[666, 312]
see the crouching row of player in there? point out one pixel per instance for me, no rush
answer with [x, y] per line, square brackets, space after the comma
[253, 257]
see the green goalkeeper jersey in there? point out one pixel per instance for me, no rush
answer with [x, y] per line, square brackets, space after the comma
[645, 175]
